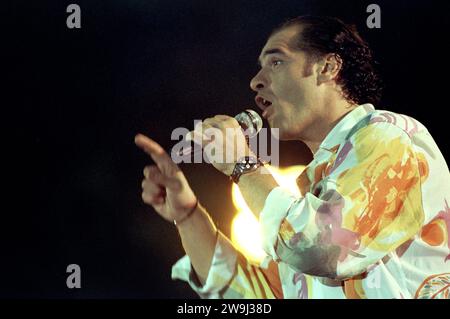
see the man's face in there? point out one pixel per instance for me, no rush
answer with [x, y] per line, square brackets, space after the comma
[288, 82]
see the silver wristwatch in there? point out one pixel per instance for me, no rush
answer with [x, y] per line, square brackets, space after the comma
[245, 165]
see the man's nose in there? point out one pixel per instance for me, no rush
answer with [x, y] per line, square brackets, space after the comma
[257, 83]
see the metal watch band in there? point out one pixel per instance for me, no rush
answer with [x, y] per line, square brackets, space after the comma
[245, 165]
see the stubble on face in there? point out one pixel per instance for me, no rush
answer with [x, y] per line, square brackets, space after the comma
[294, 86]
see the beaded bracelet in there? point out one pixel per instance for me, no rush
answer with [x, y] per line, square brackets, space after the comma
[175, 222]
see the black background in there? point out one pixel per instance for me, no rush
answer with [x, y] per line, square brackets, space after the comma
[74, 99]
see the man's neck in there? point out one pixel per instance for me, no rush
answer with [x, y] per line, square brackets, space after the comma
[322, 128]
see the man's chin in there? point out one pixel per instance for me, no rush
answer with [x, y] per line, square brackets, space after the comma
[277, 131]
[283, 134]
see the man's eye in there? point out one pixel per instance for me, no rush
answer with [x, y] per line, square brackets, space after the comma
[276, 62]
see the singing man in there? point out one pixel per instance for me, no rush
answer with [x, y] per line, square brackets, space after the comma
[373, 219]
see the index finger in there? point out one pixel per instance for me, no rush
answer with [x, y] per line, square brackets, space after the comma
[148, 145]
[156, 152]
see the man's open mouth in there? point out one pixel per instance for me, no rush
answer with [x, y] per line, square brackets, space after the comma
[262, 102]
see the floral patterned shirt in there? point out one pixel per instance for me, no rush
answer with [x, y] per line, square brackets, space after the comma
[373, 221]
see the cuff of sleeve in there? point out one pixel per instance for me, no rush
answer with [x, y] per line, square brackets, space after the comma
[222, 268]
[276, 208]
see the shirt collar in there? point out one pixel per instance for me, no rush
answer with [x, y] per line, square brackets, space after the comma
[339, 132]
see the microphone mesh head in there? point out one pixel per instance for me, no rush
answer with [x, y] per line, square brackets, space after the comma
[250, 121]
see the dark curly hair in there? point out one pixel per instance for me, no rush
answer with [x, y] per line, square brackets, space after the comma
[322, 35]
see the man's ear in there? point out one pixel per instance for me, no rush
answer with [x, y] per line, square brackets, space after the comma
[329, 68]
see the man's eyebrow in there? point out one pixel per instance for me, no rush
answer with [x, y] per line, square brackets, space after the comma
[271, 51]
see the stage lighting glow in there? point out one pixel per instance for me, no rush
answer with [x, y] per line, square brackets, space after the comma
[245, 233]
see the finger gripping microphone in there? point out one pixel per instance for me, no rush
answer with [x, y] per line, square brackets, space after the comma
[250, 122]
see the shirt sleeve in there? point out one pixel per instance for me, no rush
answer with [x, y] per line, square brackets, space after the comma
[231, 275]
[366, 205]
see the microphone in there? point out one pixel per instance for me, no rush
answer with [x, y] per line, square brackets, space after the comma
[248, 120]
